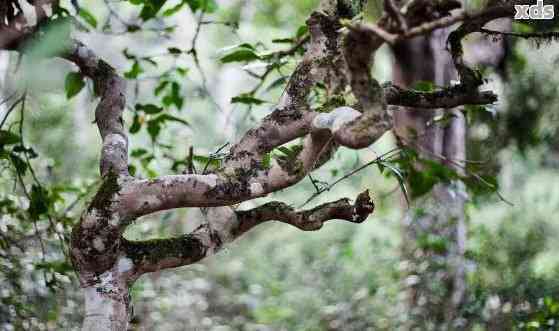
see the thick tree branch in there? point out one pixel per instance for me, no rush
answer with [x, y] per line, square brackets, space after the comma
[486, 15]
[233, 184]
[289, 116]
[446, 98]
[225, 225]
[108, 114]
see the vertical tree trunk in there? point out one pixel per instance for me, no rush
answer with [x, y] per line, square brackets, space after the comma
[107, 300]
[434, 231]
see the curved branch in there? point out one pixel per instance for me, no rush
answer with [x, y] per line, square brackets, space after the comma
[225, 225]
[108, 114]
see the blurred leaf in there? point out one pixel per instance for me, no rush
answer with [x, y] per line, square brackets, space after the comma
[73, 84]
[237, 46]
[207, 6]
[267, 161]
[39, 202]
[174, 50]
[301, 31]
[154, 125]
[173, 10]
[182, 71]
[127, 54]
[174, 97]
[151, 8]
[247, 99]
[241, 55]
[482, 184]
[138, 152]
[133, 28]
[399, 176]
[148, 108]
[136, 125]
[134, 72]
[88, 17]
[19, 163]
[283, 41]
[424, 86]
[171, 118]
[8, 138]
[61, 267]
[162, 85]
[203, 160]
[432, 242]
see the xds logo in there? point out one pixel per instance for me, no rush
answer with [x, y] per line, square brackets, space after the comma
[534, 12]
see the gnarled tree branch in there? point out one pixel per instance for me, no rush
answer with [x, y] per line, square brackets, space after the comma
[225, 225]
[108, 115]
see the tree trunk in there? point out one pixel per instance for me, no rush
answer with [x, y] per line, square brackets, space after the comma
[107, 305]
[433, 229]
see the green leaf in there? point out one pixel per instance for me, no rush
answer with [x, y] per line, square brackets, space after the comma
[19, 163]
[39, 202]
[174, 50]
[88, 17]
[400, 177]
[174, 97]
[247, 99]
[8, 138]
[73, 84]
[173, 10]
[138, 152]
[433, 242]
[133, 28]
[134, 72]
[128, 55]
[148, 108]
[171, 118]
[154, 127]
[443, 120]
[214, 162]
[282, 41]
[162, 85]
[267, 161]
[301, 31]
[284, 150]
[237, 46]
[151, 8]
[206, 6]
[136, 125]
[132, 170]
[182, 71]
[481, 184]
[241, 55]
[424, 86]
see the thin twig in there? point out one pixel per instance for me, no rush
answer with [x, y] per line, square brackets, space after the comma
[12, 107]
[349, 174]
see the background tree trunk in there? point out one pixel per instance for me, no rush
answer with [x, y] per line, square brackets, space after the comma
[434, 231]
